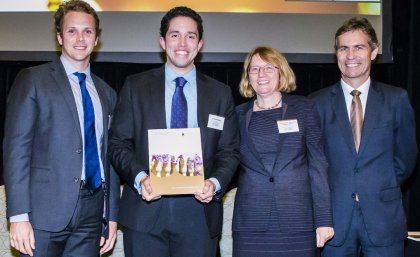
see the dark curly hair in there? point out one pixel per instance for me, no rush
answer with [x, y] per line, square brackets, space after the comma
[181, 11]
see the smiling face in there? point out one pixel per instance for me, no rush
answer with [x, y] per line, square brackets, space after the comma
[354, 56]
[266, 82]
[78, 38]
[181, 44]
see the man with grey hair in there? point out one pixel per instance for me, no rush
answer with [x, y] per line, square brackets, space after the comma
[370, 144]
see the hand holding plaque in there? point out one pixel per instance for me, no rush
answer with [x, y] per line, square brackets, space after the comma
[176, 164]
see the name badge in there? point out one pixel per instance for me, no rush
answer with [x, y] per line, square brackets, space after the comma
[216, 122]
[287, 126]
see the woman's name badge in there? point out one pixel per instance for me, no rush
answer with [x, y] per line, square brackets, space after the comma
[216, 122]
[287, 126]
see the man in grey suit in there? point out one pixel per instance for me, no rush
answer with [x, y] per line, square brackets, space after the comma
[183, 226]
[370, 144]
[61, 194]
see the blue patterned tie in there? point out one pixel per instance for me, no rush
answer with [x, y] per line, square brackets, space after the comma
[92, 169]
[179, 111]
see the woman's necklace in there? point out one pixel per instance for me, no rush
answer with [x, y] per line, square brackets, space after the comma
[268, 108]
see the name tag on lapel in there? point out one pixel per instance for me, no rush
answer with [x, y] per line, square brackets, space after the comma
[216, 122]
[287, 126]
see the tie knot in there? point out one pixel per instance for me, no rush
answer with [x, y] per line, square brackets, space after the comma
[80, 76]
[180, 82]
[355, 93]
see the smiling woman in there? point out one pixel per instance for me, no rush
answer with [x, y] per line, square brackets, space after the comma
[283, 172]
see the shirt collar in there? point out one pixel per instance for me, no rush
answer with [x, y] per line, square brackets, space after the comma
[364, 88]
[70, 69]
[171, 75]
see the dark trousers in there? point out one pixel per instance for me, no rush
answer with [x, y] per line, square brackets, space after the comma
[81, 237]
[179, 231]
[358, 242]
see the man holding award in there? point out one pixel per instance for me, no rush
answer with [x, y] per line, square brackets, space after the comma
[174, 96]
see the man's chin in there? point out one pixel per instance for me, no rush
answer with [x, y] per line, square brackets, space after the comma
[183, 65]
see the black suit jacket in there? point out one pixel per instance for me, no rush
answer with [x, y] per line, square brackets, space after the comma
[386, 158]
[141, 106]
[43, 148]
[297, 184]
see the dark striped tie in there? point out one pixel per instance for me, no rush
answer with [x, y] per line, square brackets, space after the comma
[356, 118]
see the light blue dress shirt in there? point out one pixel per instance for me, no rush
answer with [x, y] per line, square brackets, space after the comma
[75, 87]
[190, 92]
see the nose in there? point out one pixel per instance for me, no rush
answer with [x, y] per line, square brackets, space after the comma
[183, 40]
[350, 53]
[261, 72]
[80, 37]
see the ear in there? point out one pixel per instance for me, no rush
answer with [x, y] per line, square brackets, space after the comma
[59, 39]
[96, 40]
[162, 43]
[200, 44]
[374, 54]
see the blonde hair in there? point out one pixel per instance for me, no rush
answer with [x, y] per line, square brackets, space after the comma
[287, 81]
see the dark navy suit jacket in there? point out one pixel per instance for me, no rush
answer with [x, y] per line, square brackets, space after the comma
[141, 106]
[298, 182]
[386, 157]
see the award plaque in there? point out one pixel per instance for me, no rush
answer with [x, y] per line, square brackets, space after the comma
[175, 161]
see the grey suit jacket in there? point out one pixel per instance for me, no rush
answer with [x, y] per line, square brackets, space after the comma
[386, 158]
[141, 106]
[297, 184]
[42, 147]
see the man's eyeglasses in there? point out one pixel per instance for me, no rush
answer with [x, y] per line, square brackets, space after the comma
[265, 69]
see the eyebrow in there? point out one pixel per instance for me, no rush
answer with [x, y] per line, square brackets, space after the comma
[357, 45]
[177, 31]
[76, 27]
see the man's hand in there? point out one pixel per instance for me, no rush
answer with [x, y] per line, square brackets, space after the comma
[323, 234]
[22, 237]
[107, 244]
[146, 190]
[206, 195]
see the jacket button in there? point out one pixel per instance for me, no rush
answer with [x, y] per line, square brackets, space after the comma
[353, 195]
[78, 151]
[271, 179]
[76, 179]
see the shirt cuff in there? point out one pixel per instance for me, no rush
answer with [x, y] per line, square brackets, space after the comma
[137, 180]
[19, 218]
[217, 184]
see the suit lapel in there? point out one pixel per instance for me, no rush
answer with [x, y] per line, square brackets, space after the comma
[60, 77]
[157, 98]
[105, 112]
[338, 105]
[247, 113]
[203, 100]
[288, 113]
[373, 107]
